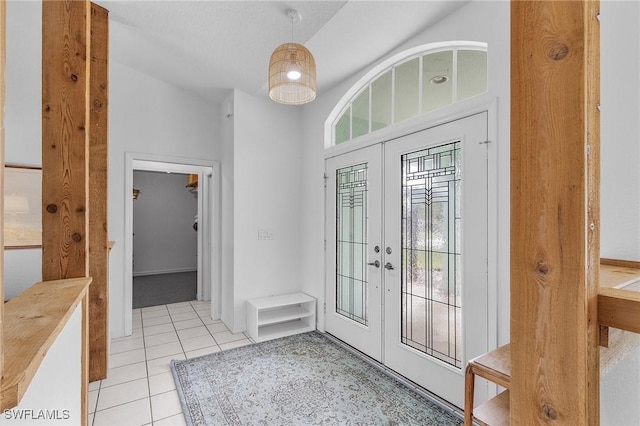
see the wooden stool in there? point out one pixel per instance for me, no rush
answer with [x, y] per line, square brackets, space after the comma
[494, 366]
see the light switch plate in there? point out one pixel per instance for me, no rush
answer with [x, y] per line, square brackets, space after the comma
[265, 234]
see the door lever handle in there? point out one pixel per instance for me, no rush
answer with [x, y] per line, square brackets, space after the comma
[389, 266]
[376, 263]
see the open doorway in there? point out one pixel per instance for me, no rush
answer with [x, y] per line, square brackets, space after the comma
[165, 239]
[208, 212]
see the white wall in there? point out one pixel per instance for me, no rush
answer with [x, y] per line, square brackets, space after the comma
[267, 186]
[151, 117]
[164, 240]
[620, 392]
[227, 225]
[620, 129]
[478, 21]
[23, 123]
[23, 119]
[620, 181]
[61, 366]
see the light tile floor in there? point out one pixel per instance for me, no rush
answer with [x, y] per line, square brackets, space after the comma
[139, 388]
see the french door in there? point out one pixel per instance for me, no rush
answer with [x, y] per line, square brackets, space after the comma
[354, 232]
[407, 253]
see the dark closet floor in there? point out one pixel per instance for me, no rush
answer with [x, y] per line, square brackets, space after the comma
[153, 290]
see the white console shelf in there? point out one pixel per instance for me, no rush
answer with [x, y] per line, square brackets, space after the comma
[279, 316]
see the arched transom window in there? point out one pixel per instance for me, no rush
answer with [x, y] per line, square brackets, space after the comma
[409, 84]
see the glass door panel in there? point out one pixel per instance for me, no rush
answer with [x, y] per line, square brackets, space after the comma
[431, 302]
[351, 244]
[353, 230]
[435, 224]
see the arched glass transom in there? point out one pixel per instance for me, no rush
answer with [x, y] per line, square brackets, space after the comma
[410, 84]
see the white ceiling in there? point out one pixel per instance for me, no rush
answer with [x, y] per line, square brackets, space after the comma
[210, 47]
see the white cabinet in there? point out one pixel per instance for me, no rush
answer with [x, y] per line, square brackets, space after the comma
[278, 316]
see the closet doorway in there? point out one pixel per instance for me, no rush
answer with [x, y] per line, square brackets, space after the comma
[207, 203]
[165, 238]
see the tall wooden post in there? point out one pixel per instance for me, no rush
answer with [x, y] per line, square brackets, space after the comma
[98, 164]
[554, 212]
[65, 152]
[65, 139]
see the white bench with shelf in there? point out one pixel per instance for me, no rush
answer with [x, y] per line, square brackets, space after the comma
[279, 316]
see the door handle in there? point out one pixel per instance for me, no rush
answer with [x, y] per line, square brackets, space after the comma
[376, 263]
[388, 266]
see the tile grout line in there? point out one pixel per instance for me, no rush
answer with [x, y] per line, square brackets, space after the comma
[215, 346]
[146, 366]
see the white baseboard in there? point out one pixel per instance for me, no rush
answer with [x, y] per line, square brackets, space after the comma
[164, 271]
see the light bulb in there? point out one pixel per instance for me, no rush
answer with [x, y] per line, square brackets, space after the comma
[294, 75]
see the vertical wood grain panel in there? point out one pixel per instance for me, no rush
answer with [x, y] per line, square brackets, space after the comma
[554, 202]
[65, 117]
[98, 163]
[592, 129]
[3, 49]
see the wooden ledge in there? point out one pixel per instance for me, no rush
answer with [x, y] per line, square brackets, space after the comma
[32, 322]
[618, 299]
[494, 365]
[617, 274]
[619, 308]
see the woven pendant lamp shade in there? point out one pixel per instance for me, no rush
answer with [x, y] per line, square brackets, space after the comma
[292, 75]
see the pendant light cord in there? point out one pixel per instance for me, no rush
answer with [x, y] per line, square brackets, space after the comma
[292, 19]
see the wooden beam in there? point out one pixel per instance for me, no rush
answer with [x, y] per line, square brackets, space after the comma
[3, 48]
[619, 308]
[65, 151]
[98, 164]
[554, 212]
[65, 117]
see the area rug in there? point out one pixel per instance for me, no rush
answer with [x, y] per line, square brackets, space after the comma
[304, 379]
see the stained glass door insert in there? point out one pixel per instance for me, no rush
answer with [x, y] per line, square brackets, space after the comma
[431, 319]
[351, 243]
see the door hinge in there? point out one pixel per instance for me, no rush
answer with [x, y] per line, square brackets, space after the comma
[325, 177]
[325, 245]
[324, 307]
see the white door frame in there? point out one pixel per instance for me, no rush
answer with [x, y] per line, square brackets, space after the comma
[208, 217]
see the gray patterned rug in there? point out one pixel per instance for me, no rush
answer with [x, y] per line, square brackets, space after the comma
[304, 379]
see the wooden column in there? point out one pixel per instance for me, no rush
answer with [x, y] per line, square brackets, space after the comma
[65, 142]
[554, 212]
[98, 164]
[65, 150]
[3, 20]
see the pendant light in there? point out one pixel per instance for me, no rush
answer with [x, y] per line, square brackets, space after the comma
[292, 71]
